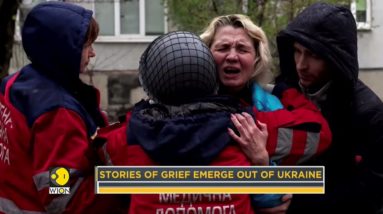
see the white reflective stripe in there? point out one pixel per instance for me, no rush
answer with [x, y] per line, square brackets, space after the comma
[59, 204]
[284, 144]
[41, 180]
[107, 156]
[7, 206]
[311, 146]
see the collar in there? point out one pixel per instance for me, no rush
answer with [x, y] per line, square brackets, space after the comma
[317, 97]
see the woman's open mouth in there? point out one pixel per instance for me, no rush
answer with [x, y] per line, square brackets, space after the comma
[231, 71]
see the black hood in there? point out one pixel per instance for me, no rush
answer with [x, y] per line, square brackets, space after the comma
[328, 31]
[190, 134]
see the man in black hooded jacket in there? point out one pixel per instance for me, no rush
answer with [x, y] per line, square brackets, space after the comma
[318, 55]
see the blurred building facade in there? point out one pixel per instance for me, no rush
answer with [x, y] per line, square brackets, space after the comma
[128, 26]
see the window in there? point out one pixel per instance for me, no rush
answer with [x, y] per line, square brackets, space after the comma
[362, 13]
[130, 19]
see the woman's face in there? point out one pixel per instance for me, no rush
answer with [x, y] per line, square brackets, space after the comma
[87, 53]
[234, 55]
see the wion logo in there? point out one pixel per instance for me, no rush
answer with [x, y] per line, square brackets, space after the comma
[59, 180]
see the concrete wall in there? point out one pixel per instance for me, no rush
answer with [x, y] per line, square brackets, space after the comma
[119, 90]
[370, 42]
[370, 50]
[117, 56]
[114, 71]
[374, 79]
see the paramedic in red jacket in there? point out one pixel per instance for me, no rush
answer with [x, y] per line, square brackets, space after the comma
[185, 123]
[48, 116]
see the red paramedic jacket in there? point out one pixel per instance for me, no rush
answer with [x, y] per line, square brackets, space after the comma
[47, 117]
[153, 136]
[34, 137]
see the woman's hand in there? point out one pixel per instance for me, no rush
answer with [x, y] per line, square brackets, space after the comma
[252, 138]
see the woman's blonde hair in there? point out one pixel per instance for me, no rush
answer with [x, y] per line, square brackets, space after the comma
[262, 72]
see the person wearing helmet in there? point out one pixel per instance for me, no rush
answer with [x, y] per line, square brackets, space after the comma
[185, 122]
[182, 123]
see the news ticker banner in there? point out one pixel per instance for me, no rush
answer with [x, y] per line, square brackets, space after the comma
[209, 179]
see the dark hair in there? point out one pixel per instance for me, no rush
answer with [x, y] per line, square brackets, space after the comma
[92, 33]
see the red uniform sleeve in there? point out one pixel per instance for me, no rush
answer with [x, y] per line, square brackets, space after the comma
[60, 140]
[298, 132]
[114, 149]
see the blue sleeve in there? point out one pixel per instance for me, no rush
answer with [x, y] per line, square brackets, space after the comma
[266, 200]
[263, 100]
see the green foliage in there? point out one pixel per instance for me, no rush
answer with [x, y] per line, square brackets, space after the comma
[271, 15]
[194, 15]
[274, 15]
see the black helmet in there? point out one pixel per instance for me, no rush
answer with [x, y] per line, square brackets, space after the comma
[177, 68]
